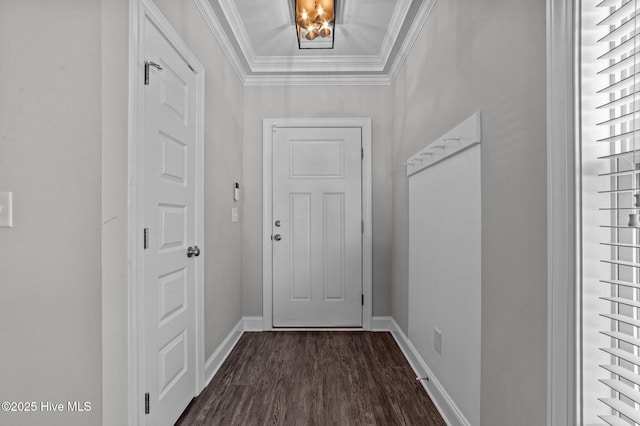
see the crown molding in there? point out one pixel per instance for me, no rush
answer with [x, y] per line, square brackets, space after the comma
[393, 30]
[232, 15]
[317, 80]
[422, 16]
[288, 64]
[210, 18]
[262, 64]
[295, 71]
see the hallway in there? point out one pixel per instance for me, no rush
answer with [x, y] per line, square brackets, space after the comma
[72, 253]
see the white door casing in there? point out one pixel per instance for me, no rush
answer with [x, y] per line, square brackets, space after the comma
[166, 312]
[327, 192]
[317, 214]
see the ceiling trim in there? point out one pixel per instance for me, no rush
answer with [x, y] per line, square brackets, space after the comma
[276, 64]
[422, 16]
[318, 64]
[317, 80]
[281, 76]
[210, 18]
[395, 25]
[232, 15]
[369, 63]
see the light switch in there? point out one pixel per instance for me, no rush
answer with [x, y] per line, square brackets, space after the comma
[6, 210]
[234, 214]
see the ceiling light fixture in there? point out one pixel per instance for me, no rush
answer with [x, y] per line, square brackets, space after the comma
[315, 24]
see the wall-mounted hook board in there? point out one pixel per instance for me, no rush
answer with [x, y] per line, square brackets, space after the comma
[465, 135]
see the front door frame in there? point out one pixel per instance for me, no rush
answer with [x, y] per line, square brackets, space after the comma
[268, 125]
[140, 11]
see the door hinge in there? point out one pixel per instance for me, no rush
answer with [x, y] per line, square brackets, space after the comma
[362, 226]
[146, 238]
[147, 405]
[362, 153]
[363, 300]
[148, 64]
[146, 73]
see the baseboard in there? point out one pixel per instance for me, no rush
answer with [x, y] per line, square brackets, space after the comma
[257, 324]
[214, 362]
[448, 409]
[253, 324]
[381, 323]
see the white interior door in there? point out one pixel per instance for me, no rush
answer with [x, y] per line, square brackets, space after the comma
[317, 227]
[170, 276]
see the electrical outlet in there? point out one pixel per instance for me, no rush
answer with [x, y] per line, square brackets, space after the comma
[437, 340]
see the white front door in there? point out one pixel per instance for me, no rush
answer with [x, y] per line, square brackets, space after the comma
[317, 227]
[170, 216]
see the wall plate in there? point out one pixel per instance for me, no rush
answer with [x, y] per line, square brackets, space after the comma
[6, 210]
[437, 340]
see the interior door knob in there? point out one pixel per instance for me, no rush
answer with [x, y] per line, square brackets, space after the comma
[191, 252]
[277, 237]
[278, 223]
[196, 251]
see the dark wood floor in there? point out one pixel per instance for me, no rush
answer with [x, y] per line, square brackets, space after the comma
[314, 378]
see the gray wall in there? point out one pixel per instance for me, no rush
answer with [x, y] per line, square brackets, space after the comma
[488, 55]
[316, 101]
[115, 116]
[50, 158]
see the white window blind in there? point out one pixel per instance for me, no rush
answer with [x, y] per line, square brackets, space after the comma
[621, 200]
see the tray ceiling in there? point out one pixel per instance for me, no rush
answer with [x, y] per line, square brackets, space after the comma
[372, 38]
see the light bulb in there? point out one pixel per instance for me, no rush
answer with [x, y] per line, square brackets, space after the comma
[304, 15]
[320, 10]
[325, 31]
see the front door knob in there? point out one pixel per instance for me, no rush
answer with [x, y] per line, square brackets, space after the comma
[277, 237]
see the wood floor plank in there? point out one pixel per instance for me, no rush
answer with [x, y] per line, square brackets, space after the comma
[313, 378]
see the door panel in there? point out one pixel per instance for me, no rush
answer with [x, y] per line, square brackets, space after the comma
[300, 264]
[170, 215]
[317, 159]
[317, 197]
[174, 160]
[333, 239]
